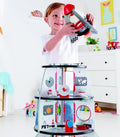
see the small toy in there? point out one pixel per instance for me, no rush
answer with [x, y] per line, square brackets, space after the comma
[36, 13]
[97, 108]
[112, 45]
[30, 108]
[83, 25]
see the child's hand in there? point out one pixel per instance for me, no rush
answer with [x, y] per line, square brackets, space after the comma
[36, 13]
[90, 18]
[69, 29]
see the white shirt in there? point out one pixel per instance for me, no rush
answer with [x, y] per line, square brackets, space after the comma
[64, 52]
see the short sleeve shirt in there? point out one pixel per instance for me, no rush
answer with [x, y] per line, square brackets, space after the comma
[64, 52]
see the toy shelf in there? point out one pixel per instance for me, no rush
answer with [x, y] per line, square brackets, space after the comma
[61, 131]
[65, 105]
[64, 66]
[82, 98]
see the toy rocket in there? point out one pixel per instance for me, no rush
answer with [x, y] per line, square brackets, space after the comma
[83, 25]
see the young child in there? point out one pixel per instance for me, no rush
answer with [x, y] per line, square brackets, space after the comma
[57, 47]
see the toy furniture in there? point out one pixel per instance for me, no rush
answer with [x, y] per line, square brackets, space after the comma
[104, 72]
[5, 88]
[65, 104]
[1, 99]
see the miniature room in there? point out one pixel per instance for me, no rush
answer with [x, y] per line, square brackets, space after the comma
[71, 98]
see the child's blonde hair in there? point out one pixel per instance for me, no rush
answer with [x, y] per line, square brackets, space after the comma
[52, 7]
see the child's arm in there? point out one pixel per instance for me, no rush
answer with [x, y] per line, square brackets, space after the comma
[68, 29]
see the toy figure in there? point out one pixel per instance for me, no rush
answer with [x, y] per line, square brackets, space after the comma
[97, 108]
[27, 109]
[30, 108]
[113, 45]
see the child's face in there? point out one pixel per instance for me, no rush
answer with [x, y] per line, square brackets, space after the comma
[56, 20]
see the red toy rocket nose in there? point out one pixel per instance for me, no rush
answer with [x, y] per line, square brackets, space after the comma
[68, 8]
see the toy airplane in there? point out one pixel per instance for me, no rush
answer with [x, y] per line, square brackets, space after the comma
[83, 25]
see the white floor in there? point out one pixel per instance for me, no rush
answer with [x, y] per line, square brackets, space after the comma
[18, 125]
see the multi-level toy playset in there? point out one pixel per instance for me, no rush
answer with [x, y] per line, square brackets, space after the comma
[65, 105]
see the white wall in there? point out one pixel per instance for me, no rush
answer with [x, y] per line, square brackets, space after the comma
[20, 50]
[20, 53]
[93, 6]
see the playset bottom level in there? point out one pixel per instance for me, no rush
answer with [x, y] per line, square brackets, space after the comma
[65, 105]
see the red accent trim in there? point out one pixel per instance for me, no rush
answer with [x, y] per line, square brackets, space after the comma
[63, 96]
[56, 82]
[81, 127]
[68, 129]
[87, 33]
[56, 112]
[73, 82]
[68, 8]
[64, 109]
[78, 25]
[74, 112]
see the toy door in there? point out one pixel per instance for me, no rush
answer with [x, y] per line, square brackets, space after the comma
[49, 82]
[47, 114]
[81, 82]
[84, 113]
